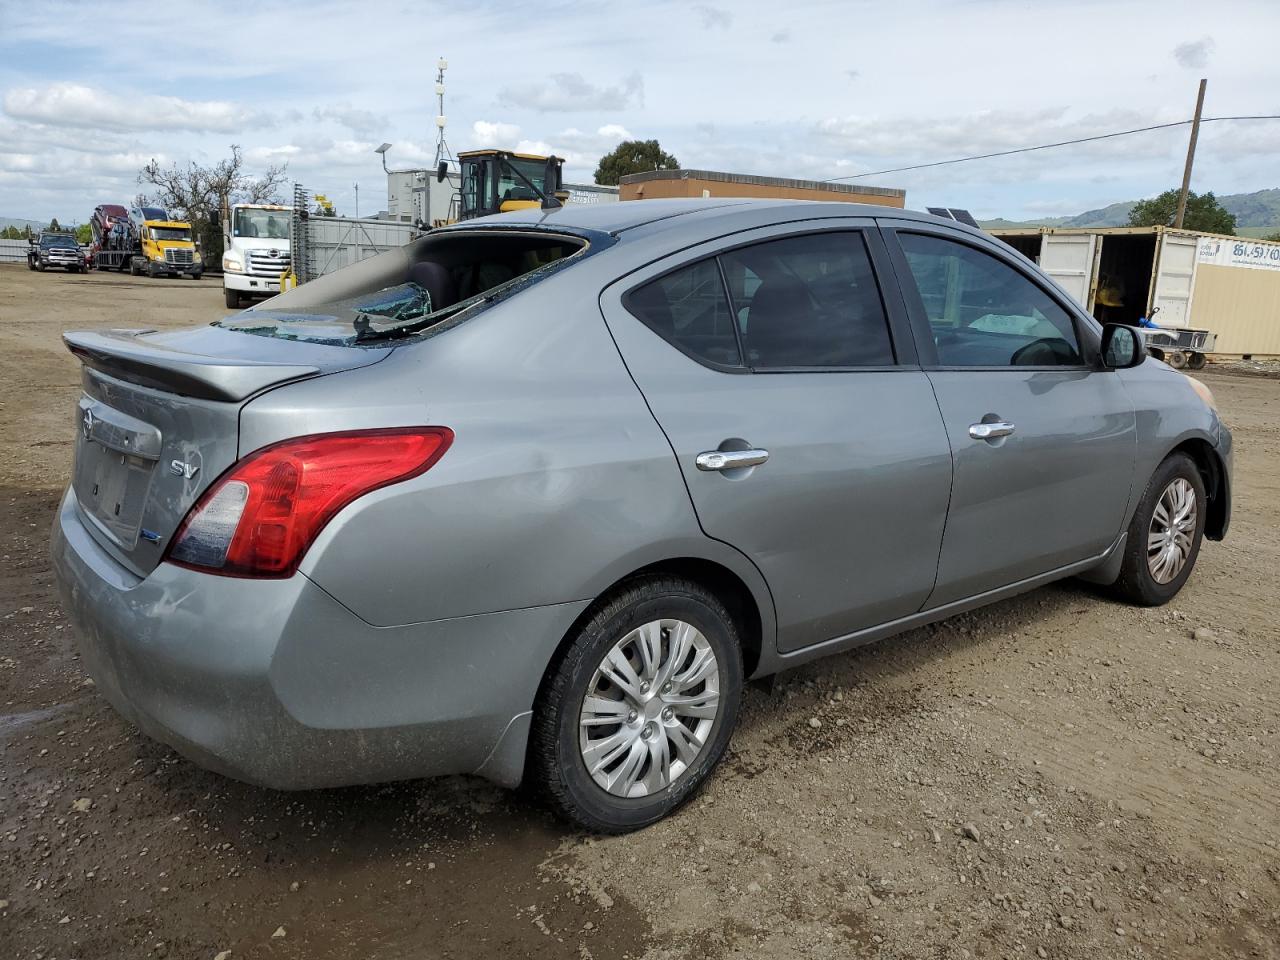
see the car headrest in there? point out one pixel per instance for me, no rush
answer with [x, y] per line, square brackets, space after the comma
[436, 280]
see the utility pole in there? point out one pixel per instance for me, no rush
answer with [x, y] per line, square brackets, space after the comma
[1191, 156]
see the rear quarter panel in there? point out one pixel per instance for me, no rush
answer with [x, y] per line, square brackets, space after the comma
[558, 482]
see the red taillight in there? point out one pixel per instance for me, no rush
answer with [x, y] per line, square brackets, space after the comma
[260, 517]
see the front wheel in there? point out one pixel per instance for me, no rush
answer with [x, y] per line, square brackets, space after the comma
[232, 299]
[638, 710]
[1164, 535]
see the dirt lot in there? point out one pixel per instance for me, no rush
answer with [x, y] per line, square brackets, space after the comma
[1054, 776]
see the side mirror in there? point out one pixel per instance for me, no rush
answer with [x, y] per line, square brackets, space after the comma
[1122, 347]
[442, 171]
[550, 184]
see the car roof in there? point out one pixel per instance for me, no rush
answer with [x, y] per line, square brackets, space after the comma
[696, 213]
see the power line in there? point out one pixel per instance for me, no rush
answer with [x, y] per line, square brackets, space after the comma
[1049, 146]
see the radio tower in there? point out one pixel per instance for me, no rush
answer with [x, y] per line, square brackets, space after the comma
[442, 148]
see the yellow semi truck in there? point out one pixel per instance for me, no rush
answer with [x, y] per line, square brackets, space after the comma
[143, 241]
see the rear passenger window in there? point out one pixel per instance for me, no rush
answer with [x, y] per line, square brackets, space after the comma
[808, 301]
[688, 308]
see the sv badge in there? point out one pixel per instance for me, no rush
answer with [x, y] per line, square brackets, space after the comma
[186, 470]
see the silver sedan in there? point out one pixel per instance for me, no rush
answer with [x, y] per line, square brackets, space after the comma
[533, 496]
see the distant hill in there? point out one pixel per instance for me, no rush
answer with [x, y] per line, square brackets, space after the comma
[13, 222]
[1256, 213]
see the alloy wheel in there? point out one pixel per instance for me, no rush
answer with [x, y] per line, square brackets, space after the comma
[649, 709]
[1172, 530]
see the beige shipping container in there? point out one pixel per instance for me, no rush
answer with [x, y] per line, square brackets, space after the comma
[1229, 286]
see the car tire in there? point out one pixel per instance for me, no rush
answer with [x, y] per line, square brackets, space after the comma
[1196, 361]
[687, 623]
[1152, 571]
[40, 267]
[232, 299]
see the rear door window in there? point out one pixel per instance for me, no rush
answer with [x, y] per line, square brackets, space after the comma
[688, 308]
[808, 302]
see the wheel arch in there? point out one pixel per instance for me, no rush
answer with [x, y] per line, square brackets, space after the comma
[752, 617]
[1213, 472]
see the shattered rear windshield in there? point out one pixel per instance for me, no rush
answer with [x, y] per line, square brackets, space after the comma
[365, 317]
[446, 277]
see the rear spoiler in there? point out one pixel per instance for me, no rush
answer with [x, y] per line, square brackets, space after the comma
[120, 353]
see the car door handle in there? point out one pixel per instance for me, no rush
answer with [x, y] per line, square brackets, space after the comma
[991, 431]
[730, 459]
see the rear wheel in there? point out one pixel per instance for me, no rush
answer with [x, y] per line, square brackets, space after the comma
[1176, 359]
[1164, 535]
[638, 710]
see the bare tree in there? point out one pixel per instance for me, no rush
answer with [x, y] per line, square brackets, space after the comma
[200, 194]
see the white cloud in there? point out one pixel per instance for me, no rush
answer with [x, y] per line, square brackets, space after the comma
[780, 36]
[943, 137]
[488, 134]
[714, 87]
[73, 105]
[353, 118]
[566, 92]
[713, 17]
[1194, 54]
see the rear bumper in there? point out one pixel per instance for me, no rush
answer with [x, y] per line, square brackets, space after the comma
[276, 683]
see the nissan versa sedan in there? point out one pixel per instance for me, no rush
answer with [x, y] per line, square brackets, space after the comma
[533, 496]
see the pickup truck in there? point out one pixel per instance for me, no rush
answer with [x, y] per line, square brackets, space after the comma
[55, 250]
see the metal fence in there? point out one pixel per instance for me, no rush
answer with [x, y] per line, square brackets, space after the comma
[321, 245]
[13, 251]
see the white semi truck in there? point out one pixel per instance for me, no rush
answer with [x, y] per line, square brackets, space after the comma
[255, 251]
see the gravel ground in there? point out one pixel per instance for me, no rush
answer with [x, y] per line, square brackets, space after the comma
[1053, 776]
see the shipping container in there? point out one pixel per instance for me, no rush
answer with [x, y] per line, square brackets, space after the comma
[1184, 279]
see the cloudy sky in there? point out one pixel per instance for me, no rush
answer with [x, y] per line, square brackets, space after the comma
[90, 91]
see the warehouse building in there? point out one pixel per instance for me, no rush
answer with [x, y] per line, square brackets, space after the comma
[1229, 286]
[710, 183]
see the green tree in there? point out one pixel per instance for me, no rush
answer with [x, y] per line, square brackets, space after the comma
[10, 233]
[53, 226]
[633, 156]
[200, 194]
[1204, 212]
[84, 233]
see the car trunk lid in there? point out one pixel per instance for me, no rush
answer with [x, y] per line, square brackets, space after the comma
[158, 422]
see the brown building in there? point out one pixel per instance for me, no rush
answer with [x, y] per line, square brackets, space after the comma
[710, 183]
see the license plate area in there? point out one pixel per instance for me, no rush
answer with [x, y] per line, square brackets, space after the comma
[116, 456]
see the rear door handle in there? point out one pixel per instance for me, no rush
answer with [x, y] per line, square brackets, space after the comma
[713, 460]
[991, 431]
